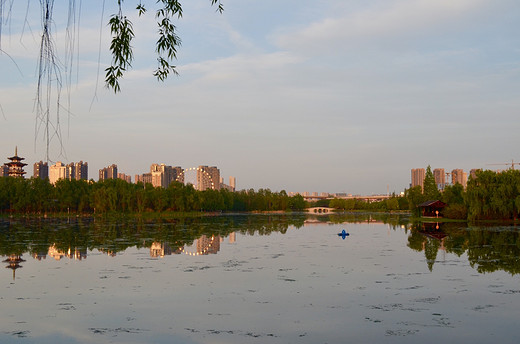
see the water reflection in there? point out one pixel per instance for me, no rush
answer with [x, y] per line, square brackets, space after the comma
[287, 280]
[488, 249]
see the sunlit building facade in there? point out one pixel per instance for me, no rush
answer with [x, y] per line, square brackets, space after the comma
[418, 175]
[41, 170]
[208, 177]
[458, 176]
[57, 171]
[109, 172]
[440, 178]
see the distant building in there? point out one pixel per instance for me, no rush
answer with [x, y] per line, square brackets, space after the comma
[71, 171]
[163, 175]
[439, 176]
[80, 170]
[418, 175]
[58, 171]
[145, 178]
[208, 178]
[4, 171]
[109, 172]
[233, 183]
[41, 170]
[458, 176]
[124, 177]
[15, 165]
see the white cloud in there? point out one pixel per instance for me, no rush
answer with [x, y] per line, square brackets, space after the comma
[387, 19]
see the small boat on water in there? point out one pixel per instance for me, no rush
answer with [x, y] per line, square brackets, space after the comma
[343, 234]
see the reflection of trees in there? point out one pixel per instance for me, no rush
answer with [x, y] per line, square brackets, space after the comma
[394, 220]
[488, 249]
[431, 247]
[35, 236]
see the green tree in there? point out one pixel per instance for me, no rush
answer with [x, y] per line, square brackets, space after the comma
[415, 197]
[430, 187]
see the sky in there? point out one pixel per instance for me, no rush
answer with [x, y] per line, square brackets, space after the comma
[318, 96]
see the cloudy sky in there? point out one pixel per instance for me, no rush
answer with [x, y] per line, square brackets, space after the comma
[326, 96]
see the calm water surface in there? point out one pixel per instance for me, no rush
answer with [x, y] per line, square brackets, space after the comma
[258, 279]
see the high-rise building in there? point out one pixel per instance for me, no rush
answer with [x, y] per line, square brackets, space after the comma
[58, 171]
[4, 171]
[418, 175]
[460, 177]
[178, 174]
[15, 165]
[208, 178]
[439, 176]
[233, 183]
[163, 175]
[71, 171]
[124, 177]
[145, 178]
[109, 172]
[41, 170]
[81, 170]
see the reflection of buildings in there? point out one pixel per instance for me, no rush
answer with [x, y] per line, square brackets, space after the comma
[232, 237]
[77, 254]
[14, 261]
[159, 249]
[40, 255]
[107, 252]
[206, 245]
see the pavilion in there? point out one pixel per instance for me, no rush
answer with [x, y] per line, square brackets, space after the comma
[16, 165]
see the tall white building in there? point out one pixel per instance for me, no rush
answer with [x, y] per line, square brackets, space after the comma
[233, 183]
[163, 175]
[58, 171]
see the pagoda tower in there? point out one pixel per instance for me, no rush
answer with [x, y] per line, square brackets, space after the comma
[16, 165]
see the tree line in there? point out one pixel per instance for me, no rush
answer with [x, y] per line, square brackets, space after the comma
[489, 195]
[36, 195]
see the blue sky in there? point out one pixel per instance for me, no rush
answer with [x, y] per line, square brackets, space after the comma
[325, 96]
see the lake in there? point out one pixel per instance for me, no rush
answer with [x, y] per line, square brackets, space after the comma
[258, 279]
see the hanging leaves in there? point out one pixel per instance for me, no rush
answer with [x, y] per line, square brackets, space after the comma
[165, 48]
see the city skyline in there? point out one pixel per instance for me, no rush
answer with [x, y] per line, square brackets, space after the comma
[161, 175]
[334, 96]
